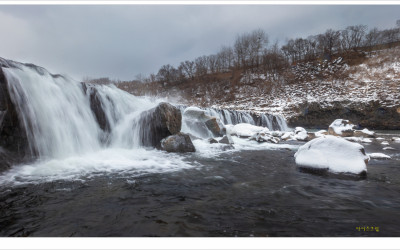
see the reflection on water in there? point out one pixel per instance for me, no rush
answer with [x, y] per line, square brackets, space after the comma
[239, 193]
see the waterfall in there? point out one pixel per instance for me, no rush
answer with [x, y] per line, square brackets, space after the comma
[272, 122]
[63, 117]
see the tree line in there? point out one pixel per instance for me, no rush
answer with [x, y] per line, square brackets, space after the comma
[253, 52]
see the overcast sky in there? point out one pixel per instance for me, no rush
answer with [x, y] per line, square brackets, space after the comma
[122, 41]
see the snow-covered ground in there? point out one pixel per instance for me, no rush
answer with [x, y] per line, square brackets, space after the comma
[377, 79]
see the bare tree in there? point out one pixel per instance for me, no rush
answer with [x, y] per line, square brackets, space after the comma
[329, 42]
[201, 65]
[188, 68]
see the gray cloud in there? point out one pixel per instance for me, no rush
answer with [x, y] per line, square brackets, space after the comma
[121, 41]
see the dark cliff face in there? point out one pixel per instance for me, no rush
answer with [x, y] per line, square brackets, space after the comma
[13, 139]
[372, 115]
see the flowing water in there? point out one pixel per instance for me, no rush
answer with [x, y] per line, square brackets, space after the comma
[89, 180]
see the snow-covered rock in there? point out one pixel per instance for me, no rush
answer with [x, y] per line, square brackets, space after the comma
[378, 156]
[396, 139]
[341, 127]
[358, 139]
[287, 136]
[263, 137]
[388, 148]
[245, 130]
[364, 133]
[334, 154]
[385, 143]
[300, 134]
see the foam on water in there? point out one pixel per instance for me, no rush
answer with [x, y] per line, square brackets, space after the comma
[132, 162]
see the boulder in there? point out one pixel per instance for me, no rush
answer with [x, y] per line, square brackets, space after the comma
[246, 130]
[300, 134]
[364, 133]
[226, 140]
[334, 154]
[263, 137]
[212, 141]
[179, 142]
[202, 124]
[159, 123]
[215, 126]
[341, 127]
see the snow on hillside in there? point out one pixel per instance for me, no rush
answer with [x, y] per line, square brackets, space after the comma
[376, 79]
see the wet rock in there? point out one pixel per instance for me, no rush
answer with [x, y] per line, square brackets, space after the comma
[179, 142]
[12, 132]
[203, 124]
[159, 123]
[226, 140]
[215, 126]
[212, 141]
[97, 109]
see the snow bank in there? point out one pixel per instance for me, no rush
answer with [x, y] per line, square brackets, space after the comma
[245, 130]
[334, 154]
[378, 156]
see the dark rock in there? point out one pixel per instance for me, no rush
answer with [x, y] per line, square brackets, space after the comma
[13, 136]
[371, 115]
[159, 123]
[212, 141]
[179, 142]
[361, 133]
[310, 136]
[98, 111]
[226, 140]
[215, 126]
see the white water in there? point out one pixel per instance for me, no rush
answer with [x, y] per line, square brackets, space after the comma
[272, 122]
[64, 135]
[57, 115]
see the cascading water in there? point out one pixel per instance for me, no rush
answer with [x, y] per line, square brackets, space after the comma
[57, 116]
[272, 122]
[74, 128]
